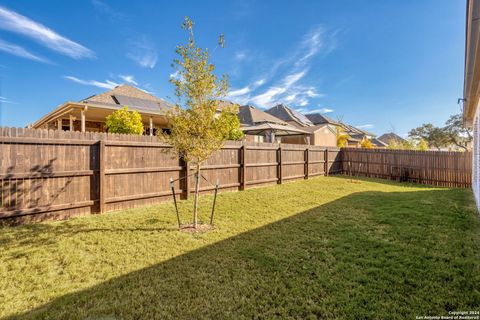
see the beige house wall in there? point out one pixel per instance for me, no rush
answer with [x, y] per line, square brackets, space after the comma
[300, 139]
[324, 137]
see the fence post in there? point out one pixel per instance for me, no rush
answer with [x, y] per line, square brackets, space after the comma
[242, 167]
[368, 163]
[326, 162]
[306, 164]
[186, 180]
[101, 175]
[279, 164]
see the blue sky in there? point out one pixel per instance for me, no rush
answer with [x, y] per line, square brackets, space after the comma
[381, 65]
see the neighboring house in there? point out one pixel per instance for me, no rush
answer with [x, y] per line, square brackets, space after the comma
[89, 114]
[290, 116]
[387, 138]
[378, 144]
[260, 126]
[322, 135]
[355, 135]
[318, 118]
[471, 89]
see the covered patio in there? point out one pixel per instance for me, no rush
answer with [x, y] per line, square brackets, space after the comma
[274, 132]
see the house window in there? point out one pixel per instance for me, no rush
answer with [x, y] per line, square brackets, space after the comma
[259, 139]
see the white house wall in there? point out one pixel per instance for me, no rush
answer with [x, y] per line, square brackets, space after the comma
[476, 159]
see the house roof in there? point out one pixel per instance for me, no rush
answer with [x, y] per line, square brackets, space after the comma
[471, 80]
[134, 98]
[228, 105]
[315, 128]
[286, 113]
[378, 143]
[318, 118]
[114, 99]
[388, 137]
[279, 129]
[250, 115]
[351, 130]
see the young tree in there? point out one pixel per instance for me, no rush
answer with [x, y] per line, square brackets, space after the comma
[342, 138]
[422, 145]
[394, 144]
[366, 144]
[456, 133]
[197, 128]
[409, 144]
[233, 123]
[124, 121]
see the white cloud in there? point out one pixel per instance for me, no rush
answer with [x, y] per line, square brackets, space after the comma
[175, 75]
[302, 102]
[320, 110]
[6, 100]
[311, 44]
[311, 93]
[325, 110]
[239, 92]
[286, 92]
[143, 53]
[365, 126]
[240, 55]
[20, 51]
[288, 74]
[267, 98]
[314, 42]
[129, 79]
[14, 22]
[290, 98]
[108, 84]
[242, 95]
[292, 78]
[105, 9]
[258, 83]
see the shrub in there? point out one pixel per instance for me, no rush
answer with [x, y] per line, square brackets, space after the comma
[124, 121]
[366, 144]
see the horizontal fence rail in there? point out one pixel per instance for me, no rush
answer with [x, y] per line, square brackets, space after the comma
[438, 168]
[47, 174]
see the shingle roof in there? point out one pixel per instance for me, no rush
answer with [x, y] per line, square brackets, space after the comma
[251, 116]
[378, 143]
[285, 113]
[388, 137]
[318, 118]
[224, 104]
[316, 127]
[351, 130]
[134, 98]
[279, 129]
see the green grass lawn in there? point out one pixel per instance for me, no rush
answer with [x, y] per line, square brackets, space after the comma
[327, 248]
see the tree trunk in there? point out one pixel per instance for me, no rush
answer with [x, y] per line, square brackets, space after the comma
[197, 190]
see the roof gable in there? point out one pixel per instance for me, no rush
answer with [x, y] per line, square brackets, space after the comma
[388, 137]
[318, 118]
[122, 90]
[285, 113]
[250, 115]
[127, 95]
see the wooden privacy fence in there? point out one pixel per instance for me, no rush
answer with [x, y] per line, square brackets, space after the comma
[440, 168]
[46, 174]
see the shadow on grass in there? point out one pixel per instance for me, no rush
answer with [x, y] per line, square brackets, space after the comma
[369, 255]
